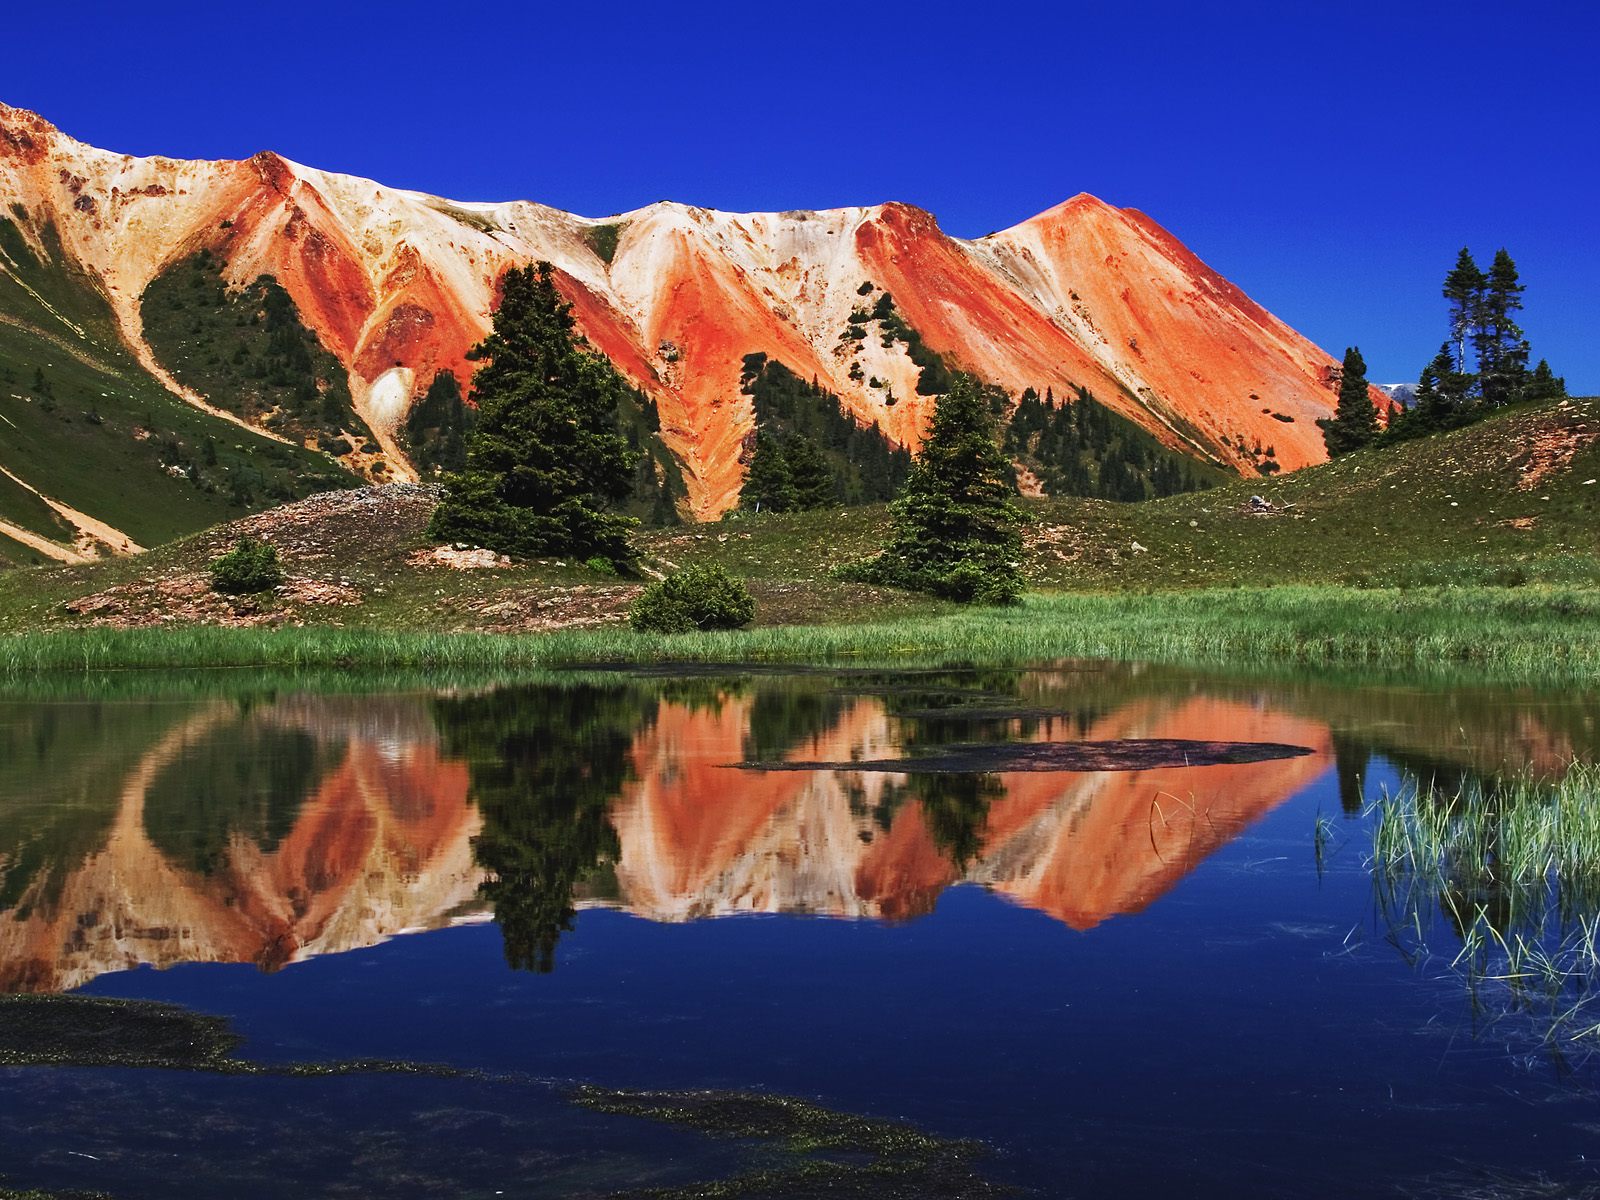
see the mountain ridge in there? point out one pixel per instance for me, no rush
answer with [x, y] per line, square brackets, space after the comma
[399, 284]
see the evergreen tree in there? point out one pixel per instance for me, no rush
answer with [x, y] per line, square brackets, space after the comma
[955, 526]
[1441, 401]
[1463, 288]
[767, 486]
[436, 428]
[1354, 423]
[546, 461]
[808, 473]
[1502, 350]
[545, 765]
[1544, 384]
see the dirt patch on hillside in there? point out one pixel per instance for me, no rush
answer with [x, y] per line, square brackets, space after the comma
[1554, 446]
[188, 599]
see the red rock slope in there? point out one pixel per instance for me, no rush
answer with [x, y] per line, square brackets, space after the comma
[399, 284]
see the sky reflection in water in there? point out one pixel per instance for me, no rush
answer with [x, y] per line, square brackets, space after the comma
[1249, 1032]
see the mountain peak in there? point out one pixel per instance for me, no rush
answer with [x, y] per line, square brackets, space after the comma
[398, 285]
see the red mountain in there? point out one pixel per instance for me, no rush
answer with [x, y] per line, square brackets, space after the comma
[397, 285]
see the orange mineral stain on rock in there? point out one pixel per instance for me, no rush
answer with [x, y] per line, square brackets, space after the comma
[399, 285]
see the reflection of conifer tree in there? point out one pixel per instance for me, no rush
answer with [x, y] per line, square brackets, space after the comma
[956, 810]
[546, 764]
[1350, 761]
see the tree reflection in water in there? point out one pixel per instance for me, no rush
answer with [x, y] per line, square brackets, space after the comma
[546, 764]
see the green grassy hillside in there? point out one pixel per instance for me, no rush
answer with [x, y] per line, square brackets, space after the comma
[83, 423]
[1506, 504]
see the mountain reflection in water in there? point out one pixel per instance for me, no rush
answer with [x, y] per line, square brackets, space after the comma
[278, 830]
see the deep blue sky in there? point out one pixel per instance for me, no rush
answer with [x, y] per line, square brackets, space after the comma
[1330, 162]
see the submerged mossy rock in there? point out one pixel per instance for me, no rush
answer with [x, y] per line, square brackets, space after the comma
[814, 1152]
[92, 1031]
[96, 1031]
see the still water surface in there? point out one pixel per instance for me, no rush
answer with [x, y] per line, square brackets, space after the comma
[1132, 978]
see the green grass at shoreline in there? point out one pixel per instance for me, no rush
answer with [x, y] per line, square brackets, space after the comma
[1527, 632]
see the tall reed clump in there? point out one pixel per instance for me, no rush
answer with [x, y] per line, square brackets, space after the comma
[1513, 867]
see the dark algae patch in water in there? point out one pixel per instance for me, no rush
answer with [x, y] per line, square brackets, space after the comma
[1126, 754]
[811, 1151]
[93, 1031]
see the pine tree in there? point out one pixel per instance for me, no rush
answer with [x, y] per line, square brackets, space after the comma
[437, 426]
[1544, 384]
[1463, 288]
[546, 461]
[767, 486]
[808, 473]
[1354, 423]
[955, 526]
[1502, 350]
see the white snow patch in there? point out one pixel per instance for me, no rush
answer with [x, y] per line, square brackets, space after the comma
[390, 397]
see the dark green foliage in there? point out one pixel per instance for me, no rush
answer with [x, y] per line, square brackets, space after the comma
[436, 429]
[1545, 384]
[936, 377]
[699, 597]
[546, 464]
[955, 809]
[251, 566]
[545, 766]
[248, 779]
[809, 475]
[955, 524]
[1456, 390]
[1442, 401]
[1354, 423]
[1082, 448]
[767, 485]
[104, 429]
[864, 467]
[247, 351]
[658, 483]
[1463, 287]
[1502, 350]
[603, 241]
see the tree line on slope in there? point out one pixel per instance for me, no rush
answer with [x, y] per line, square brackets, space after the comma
[806, 451]
[1482, 366]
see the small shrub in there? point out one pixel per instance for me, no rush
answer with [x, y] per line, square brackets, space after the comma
[251, 566]
[601, 566]
[697, 597]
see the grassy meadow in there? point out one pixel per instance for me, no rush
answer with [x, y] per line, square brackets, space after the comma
[1476, 548]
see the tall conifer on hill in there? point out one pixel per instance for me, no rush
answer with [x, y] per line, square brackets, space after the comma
[1501, 348]
[546, 461]
[767, 486]
[808, 473]
[1463, 288]
[955, 525]
[1354, 423]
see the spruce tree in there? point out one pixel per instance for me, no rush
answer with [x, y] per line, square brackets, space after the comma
[1354, 423]
[1544, 384]
[436, 428]
[808, 473]
[767, 486]
[1463, 288]
[1502, 350]
[955, 525]
[546, 462]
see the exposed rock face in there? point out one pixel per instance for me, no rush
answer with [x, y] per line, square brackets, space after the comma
[399, 285]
